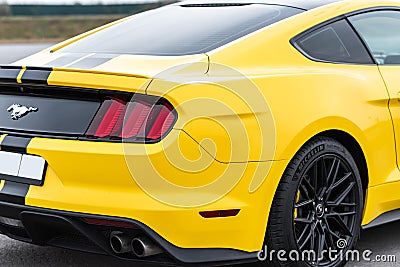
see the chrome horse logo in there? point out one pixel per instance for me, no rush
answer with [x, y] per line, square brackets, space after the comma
[18, 111]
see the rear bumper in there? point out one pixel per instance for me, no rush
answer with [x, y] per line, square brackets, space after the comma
[70, 230]
[85, 177]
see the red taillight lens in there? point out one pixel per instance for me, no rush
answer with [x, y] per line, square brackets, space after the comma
[163, 120]
[146, 118]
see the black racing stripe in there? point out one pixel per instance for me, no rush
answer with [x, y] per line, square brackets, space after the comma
[15, 144]
[9, 74]
[14, 192]
[90, 62]
[80, 61]
[36, 76]
[64, 60]
[22, 180]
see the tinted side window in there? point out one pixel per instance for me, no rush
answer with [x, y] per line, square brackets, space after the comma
[381, 32]
[336, 42]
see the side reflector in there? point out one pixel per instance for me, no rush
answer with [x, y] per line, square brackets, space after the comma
[219, 213]
[109, 223]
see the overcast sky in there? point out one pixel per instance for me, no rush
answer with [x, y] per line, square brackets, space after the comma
[73, 1]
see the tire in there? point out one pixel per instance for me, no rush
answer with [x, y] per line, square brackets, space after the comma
[330, 215]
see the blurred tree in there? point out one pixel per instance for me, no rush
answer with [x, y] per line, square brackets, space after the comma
[4, 10]
[76, 8]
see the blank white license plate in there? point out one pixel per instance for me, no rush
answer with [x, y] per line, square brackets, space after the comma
[22, 168]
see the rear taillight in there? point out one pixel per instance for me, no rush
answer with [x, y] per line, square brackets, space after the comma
[143, 119]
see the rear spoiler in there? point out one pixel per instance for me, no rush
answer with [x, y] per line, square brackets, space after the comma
[40, 75]
[19, 74]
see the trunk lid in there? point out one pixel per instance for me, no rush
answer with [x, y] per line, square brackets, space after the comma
[130, 65]
[57, 94]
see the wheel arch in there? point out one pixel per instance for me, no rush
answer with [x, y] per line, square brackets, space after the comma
[355, 150]
[349, 134]
[351, 144]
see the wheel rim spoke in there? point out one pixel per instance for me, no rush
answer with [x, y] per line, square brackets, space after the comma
[333, 171]
[305, 236]
[342, 196]
[330, 234]
[321, 244]
[343, 226]
[312, 245]
[315, 179]
[349, 213]
[304, 203]
[324, 177]
[333, 204]
[303, 220]
[326, 207]
[341, 180]
[306, 191]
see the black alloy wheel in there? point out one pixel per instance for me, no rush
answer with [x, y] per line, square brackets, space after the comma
[316, 213]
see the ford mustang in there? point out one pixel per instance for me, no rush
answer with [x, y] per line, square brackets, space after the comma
[208, 132]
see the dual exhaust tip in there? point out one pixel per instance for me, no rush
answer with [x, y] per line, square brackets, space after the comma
[141, 247]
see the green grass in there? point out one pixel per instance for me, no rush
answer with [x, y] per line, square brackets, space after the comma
[36, 29]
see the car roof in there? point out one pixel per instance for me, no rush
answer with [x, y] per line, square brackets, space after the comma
[301, 4]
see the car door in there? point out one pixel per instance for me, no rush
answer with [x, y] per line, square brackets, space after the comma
[380, 30]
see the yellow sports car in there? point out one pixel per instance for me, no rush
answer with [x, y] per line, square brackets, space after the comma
[208, 132]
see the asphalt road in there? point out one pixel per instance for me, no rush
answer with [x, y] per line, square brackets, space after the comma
[384, 240]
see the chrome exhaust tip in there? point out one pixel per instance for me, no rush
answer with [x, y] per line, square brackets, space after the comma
[143, 247]
[120, 243]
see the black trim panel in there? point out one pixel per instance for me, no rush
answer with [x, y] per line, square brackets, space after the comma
[385, 218]
[9, 74]
[15, 144]
[46, 114]
[36, 76]
[13, 192]
[45, 98]
[35, 134]
[305, 5]
[23, 180]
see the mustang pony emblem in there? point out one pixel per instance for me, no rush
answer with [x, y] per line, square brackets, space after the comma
[19, 111]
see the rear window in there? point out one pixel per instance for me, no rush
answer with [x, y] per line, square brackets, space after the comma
[181, 30]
